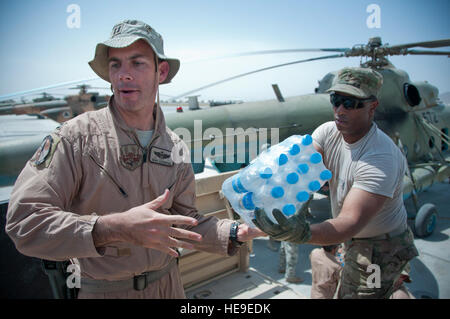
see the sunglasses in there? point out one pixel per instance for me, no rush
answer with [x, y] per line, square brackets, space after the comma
[349, 103]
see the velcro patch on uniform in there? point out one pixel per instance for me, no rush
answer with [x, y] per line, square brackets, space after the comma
[131, 156]
[160, 156]
[45, 151]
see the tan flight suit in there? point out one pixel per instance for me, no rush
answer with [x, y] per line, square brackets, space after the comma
[325, 274]
[95, 167]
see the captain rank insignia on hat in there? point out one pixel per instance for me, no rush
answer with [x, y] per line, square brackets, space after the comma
[117, 29]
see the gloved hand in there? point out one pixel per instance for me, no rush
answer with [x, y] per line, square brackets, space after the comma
[294, 229]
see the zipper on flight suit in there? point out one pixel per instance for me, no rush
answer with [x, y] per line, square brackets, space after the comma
[121, 190]
[144, 160]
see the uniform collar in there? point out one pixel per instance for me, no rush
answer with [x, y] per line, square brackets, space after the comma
[363, 139]
[158, 116]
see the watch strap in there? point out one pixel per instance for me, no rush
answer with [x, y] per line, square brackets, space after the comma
[233, 233]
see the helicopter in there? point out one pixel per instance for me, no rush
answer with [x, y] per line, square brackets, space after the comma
[60, 110]
[410, 112]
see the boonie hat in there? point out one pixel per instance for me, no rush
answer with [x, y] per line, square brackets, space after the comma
[124, 34]
[359, 82]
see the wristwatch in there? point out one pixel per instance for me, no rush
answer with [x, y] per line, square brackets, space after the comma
[233, 234]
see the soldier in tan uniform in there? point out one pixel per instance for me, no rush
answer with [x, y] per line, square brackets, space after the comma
[366, 192]
[325, 272]
[106, 191]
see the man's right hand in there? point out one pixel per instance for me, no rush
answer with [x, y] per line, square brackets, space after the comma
[143, 226]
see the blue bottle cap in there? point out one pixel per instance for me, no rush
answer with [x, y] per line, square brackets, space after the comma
[288, 209]
[307, 140]
[314, 186]
[326, 175]
[302, 196]
[277, 192]
[303, 168]
[292, 178]
[315, 158]
[295, 149]
[247, 201]
[266, 173]
[237, 185]
[282, 159]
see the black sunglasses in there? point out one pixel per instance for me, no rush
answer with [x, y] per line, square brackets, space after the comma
[348, 102]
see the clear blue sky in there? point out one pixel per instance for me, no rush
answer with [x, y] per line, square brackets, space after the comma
[38, 48]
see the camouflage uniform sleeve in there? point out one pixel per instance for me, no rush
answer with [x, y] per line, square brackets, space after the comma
[215, 232]
[38, 219]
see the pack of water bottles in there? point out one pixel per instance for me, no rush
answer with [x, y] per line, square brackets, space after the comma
[283, 177]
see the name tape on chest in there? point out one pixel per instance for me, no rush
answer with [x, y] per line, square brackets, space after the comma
[161, 156]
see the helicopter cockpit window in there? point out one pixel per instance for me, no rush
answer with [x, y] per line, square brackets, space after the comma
[412, 94]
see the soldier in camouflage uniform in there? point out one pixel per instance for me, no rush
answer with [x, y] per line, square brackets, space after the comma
[288, 261]
[366, 192]
[390, 254]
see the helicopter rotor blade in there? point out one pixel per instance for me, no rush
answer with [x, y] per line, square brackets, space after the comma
[263, 52]
[288, 51]
[88, 87]
[425, 44]
[423, 52]
[259, 70]
[28, 92]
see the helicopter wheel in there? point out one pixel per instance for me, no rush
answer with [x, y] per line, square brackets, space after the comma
[425, 221]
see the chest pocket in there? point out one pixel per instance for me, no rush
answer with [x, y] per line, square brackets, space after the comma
[105, 173]
[159, 178]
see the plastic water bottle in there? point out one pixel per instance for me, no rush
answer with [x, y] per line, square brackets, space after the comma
[282, 177]
[246, 203]
[252, 177]
[230, 193]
